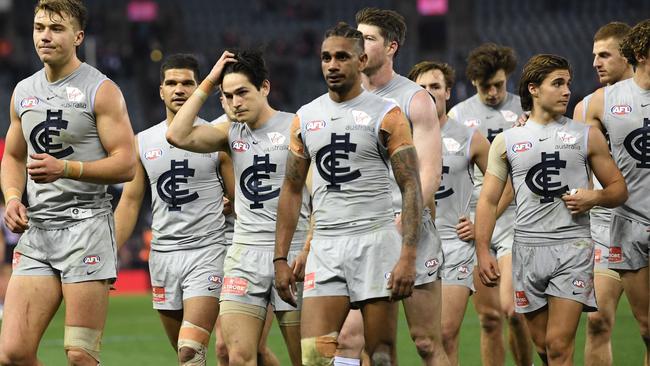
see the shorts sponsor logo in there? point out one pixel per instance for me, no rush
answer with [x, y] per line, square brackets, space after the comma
[472, 122]
[597, 255]
[361, 118]
[615, 255]
[74, 94]
[579, 283]
[91, 259]
[216, 280]
[621, 109]
[234, 286]
[520, 147]
[240, 146]
[276, 138]
[153, 154]
[158, 294]
[520, 299]
[315, 125]
[310, 281]
[15, 260]
[29, 102]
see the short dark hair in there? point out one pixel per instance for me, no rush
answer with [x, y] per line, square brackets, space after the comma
[75, 9]
[180, 61]
[391, 24]
[342, 29]
[535, 71]
[636, 42]
[616, 30]
[249, 63]
[485, 60]
[447, 71]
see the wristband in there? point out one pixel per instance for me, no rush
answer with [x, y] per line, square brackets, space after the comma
[11, 198]
[81, 169]
[65, 168]
[279, 259]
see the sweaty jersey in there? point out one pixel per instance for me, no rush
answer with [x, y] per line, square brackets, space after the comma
[626, 117]
[546, 162]
[351, 181]
[456, 186]
[259, 158]
[599, 215]
[399, 90]
[59, 119]
[186, 193]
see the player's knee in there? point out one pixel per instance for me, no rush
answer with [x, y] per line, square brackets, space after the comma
[424, 346]
[81, 344]
[515, 320]
[381, 356]
[491, 321]
[241, 356]
[79, 357]
[319, 351]
[449, 336]
[350, 339]
[598, 325]
[558, 348]
[9, 357]
[220, 348]
[192, 344]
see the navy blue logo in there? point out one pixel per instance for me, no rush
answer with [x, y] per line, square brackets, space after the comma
[251, 183]
[637, 144]
[169, 182]
[328, 161]
[41, 135]
[540, 177]
[493, 133]
[444, 192]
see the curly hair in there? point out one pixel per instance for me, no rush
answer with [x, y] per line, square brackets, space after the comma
[535, 71]
[425, 66]
[636, 43]
[249, 63]
[484, 61]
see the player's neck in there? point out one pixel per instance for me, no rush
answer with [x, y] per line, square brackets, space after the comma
[642, 77]
[380, 77]
[57, 72]
[264, 116]
[170, 116]
[442, 120]
[340, 97]
[543, 117]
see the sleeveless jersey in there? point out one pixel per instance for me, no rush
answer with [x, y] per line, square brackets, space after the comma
[59, 119]
[259, 158]
[351, 181]
[489, 121]
[456, 186]
[186, 193]
[626, 117]
[599, 215]
[399, 90]
[547, 162]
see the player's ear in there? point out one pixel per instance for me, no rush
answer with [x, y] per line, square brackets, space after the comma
[533, 89]
[363, 60]
[160, 88]
[79, 38]
[265, 88]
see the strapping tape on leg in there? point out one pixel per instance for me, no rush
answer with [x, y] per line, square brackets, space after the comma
[288, 318]
[87, 339]
[319, 351]
[195, 338]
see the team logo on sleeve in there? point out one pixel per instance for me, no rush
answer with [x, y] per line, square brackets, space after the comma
[252, 179]
[621, 109]
[29, 102]
[444, 192]
[637, 144]
[539, 178]
[43, 133]
[491, 134]
[329, 159]
[169, 185]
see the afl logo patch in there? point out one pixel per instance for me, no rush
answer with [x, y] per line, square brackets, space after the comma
[472, 122]
[91, 259]
[215, 279]
[153, 154]
[315, 125]
[29, 102]
[621, 109]
[579, 283]
[522, 146]
[431, 263]
[240, 146]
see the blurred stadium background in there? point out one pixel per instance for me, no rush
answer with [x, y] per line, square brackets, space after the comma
[128, 39]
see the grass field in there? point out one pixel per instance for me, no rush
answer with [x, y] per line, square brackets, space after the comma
[134, 337]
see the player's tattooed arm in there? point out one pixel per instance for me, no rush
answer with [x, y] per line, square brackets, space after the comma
[404, 163]
[289, 205]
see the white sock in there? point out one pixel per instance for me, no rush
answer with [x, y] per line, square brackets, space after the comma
[344, 361]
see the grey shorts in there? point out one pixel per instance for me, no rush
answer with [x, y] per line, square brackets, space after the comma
[85, 251]
[563, 270]
[503, 234]
[629, 244]
[181, 274]
[600, 236]
[354, 266]
[429, 254]
[458, 266]
[249, 274]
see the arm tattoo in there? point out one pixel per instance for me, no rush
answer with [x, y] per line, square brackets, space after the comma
[296, 170]
[405, 170]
